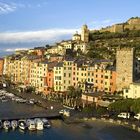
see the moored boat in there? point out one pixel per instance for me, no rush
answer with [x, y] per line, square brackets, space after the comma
[46, 123]
[14, 124]
[22, 124]
[32, 125]
[6, 125]
[39, 124]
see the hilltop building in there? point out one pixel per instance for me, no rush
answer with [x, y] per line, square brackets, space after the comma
[131, 24]
[77, 43]
[85, 34]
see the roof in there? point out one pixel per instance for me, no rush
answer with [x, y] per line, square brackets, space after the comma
[52, 64]
[39, 48]
[60, 64]
[102, 60]
[113, 68]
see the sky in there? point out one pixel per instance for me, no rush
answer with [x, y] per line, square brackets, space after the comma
[31, 23]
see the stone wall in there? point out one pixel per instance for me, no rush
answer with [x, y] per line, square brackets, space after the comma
[131, 24]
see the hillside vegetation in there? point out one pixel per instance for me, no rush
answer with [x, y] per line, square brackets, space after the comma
[103, 45]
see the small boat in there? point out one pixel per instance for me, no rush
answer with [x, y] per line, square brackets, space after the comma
[14, 124]
[46, 123]
[0, 124]
[6, 125]
[39, 124]
[32, 125]
[22, 124]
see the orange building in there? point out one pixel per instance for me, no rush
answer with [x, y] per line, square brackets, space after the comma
[1, 66]
[50, 78]
[98, 80]
[113, 82]
[105, 80]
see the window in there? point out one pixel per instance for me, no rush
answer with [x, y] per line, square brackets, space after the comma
[64, 74]
[106, 88]
[69, 74]
[106, 77]
[126, 90]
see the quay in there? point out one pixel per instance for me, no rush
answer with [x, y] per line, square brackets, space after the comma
[52, 117]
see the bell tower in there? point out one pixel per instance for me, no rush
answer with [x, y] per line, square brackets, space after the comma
[85, 34]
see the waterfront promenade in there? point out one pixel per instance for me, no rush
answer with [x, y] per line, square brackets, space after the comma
[41, 108]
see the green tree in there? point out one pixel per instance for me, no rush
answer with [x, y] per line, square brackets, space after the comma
[122, 105]
[136, 106]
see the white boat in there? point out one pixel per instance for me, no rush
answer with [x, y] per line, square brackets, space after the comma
[6, 125]
[32, 125]
[22, 124]
[14, 124]
[39, 124]
[46, 123]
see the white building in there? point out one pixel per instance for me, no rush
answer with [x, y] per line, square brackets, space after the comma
[133, 91]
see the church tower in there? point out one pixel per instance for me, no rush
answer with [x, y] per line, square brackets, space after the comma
[85, 34]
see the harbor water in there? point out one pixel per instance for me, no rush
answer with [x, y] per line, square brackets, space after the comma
[62, 131]
[94, 130]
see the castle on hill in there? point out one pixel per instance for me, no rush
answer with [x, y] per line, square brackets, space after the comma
[132, 24]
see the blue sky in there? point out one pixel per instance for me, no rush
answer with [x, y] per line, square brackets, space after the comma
[28, 23]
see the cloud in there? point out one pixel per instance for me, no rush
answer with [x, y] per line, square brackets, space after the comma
[15, 49]
[7, 7]
[50, 35]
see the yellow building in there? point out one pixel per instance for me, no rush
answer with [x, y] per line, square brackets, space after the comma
[38, 75]
[58, 77]
[63, 75]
